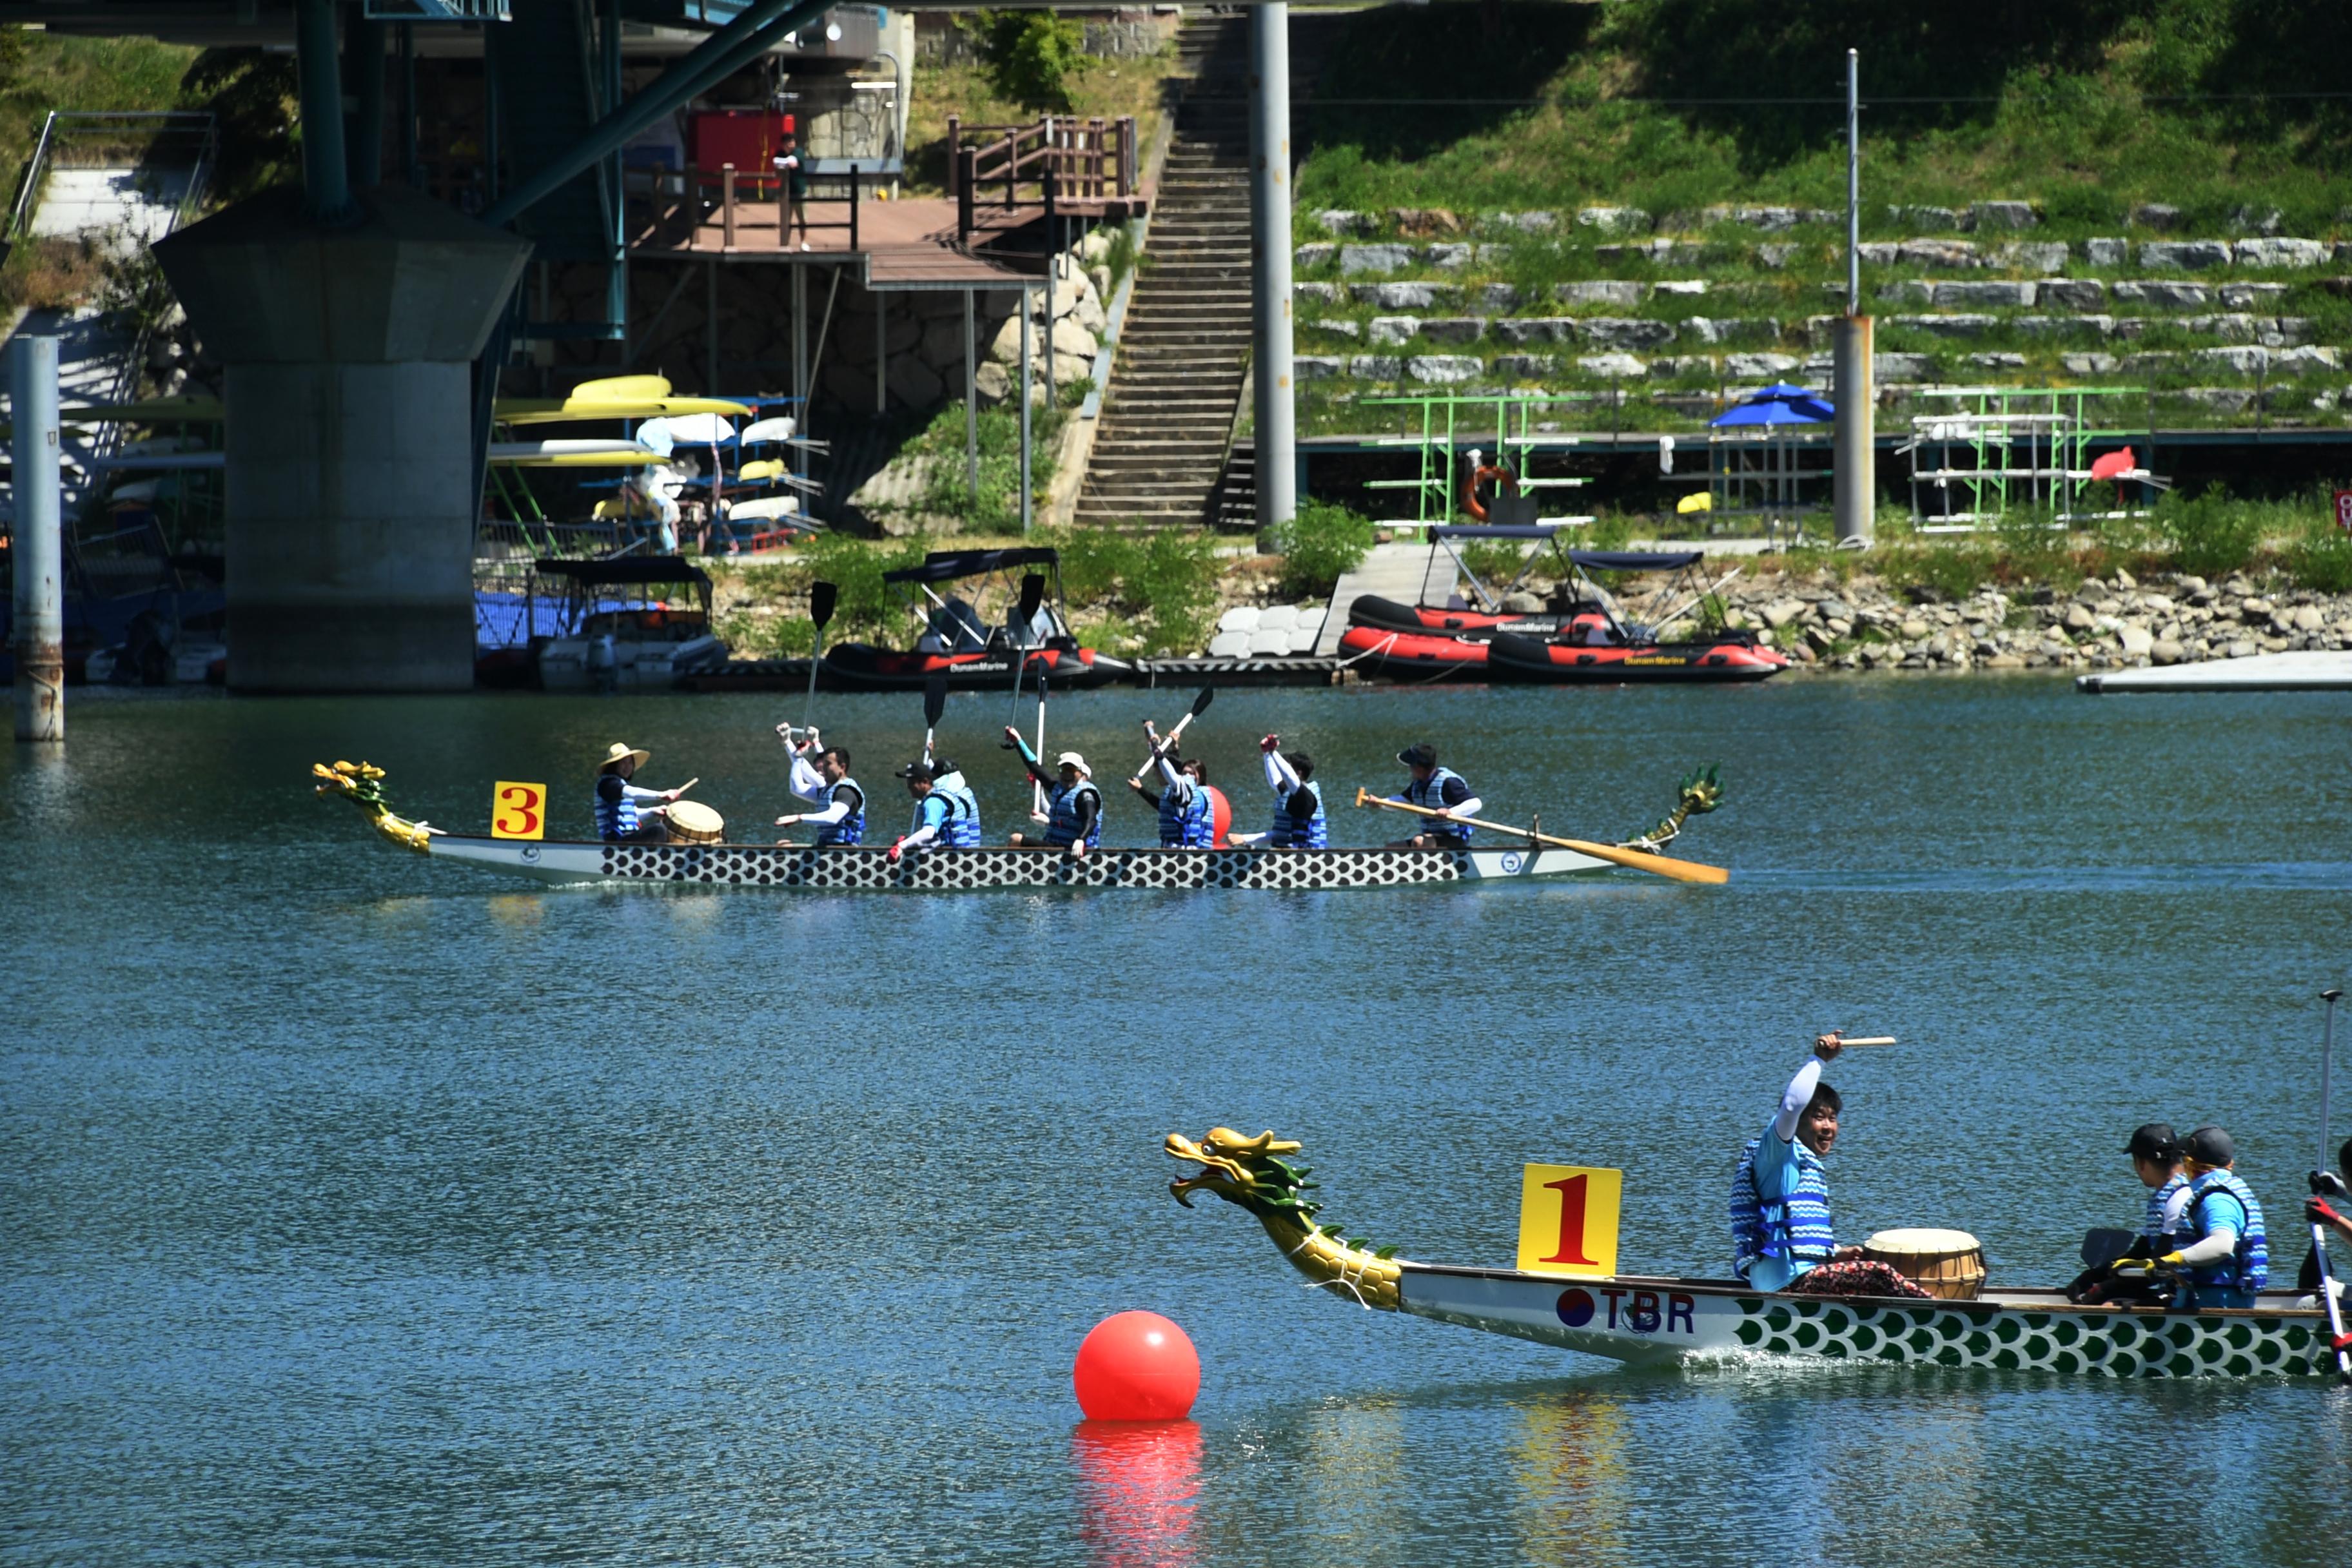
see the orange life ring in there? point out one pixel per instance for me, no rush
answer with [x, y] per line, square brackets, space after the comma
[1504, 482]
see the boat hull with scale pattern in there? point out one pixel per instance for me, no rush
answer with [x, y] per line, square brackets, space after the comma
[870, 869]
[1657, 1320]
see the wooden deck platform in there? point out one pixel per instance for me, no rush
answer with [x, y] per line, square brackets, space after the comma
[909, 244]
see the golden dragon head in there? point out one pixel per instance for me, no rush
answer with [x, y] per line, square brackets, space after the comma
[361, 783]
[1251, 1175]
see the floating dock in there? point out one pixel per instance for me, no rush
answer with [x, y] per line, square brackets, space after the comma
[2307, 671]
[793, 674]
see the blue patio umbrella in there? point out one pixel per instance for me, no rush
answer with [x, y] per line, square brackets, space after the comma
[1780, 404]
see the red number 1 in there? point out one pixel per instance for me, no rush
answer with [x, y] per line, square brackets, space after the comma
[1571, 1222]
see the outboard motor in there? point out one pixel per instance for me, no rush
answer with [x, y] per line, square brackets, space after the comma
[603, 663]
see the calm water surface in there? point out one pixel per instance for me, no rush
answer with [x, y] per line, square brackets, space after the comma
[354, 1208]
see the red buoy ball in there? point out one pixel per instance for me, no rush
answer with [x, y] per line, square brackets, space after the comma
[1136, 1367]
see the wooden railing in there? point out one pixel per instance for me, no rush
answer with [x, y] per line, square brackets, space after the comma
[685, 201]
[1091, 159]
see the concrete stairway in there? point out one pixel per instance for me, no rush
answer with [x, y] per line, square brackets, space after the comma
[1177, 378]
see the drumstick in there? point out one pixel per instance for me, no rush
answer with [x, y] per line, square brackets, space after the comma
[698, 779]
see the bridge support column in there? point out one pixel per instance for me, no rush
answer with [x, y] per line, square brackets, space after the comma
[350, 487]
[1271, 369]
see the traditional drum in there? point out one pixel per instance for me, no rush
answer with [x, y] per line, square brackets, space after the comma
[1946, 1263]
[691, 822]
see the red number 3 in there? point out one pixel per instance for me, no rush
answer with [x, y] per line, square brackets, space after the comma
[525, 805]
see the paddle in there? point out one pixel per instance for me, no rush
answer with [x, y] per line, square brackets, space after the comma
[935, 702]
[1033, 594]
[1037, 787]
[822, 595]
[1168, 743]
[1658, 865]
[2322, 1179]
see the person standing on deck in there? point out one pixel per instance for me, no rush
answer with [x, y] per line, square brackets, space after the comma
[821, 774]
[622, 812]
[2225, 1258]
[1300, 822]
[1437, 789]
[1073, 803]
[1781, 1230]
[792, 193]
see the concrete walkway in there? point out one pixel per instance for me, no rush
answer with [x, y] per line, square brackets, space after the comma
[1403, 573]
[2305, 671]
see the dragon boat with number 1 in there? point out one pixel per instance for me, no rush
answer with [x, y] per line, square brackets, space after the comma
[869, 867]
[1642, 1320]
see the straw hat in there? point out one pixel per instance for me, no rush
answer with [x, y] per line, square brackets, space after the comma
[622, 752]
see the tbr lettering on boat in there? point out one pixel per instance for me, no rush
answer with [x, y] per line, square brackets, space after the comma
[1629, 1309]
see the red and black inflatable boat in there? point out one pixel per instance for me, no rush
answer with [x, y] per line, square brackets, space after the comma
[1732, 657]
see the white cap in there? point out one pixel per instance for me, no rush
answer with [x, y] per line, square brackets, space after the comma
[1073, 760]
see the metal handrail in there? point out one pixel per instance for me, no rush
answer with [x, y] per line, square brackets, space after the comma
[34, 167]
[62, 124]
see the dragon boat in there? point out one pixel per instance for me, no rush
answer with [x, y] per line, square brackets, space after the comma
[1651, 1321]
[870, 869]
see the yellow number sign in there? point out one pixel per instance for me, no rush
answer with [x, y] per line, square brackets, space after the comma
[1567, 1219]
[517, 810]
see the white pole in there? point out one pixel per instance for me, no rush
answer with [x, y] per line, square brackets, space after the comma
[40, 626]
[1854, 481]
[1277, 442]
[971, 393]
[1021, 392]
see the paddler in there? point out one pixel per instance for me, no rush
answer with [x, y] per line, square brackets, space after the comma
[1187, 818]
[2156, 1155]
[962, 830]
[1781, 1231]
[821, 774]
[2224, 1255]
[1073, 803]
[934, 810]
[1436, 789]
[625, 813]
[1300, 822]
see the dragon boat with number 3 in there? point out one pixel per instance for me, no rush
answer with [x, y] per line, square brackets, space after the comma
[870, 869]
[1650, 1320]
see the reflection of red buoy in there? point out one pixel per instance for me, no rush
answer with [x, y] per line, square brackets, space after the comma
[1140, 1484]
[1136, 1367]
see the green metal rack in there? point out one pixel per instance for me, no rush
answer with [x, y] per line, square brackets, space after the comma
[1445, 425]
[1996, 450]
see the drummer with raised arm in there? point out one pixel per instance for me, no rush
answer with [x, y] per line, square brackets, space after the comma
[624, 811]
[1781, 1230]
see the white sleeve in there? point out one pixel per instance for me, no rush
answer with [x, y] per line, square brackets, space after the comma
[2212, 1248]
[921, 835]
[1280, 777]
[2174, 1207]
[1793, 1101]
[1470, 808]
[636, 794]
[807, 783]
[1167, 771]
[831, 814]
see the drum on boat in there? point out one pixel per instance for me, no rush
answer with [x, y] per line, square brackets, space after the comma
[1944, 1263]
[691, 822]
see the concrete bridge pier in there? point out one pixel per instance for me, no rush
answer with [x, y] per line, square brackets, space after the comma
[350, 485]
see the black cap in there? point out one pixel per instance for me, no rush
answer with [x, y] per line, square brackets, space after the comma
[2209, 1145]
[2154, 1141]
[942, 767]
[916, 771]
[1425, 755]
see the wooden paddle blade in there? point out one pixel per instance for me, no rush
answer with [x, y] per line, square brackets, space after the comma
[935, 698]
[1033, 594]
[822, 595]
[1656, 865]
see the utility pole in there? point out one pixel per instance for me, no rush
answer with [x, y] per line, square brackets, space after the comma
[1856, 478]
[1271, 369]
[38, 551]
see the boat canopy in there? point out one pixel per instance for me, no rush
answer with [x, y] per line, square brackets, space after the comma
[946, 565]
[627, 569]
[1635, 560]
[1496, 530]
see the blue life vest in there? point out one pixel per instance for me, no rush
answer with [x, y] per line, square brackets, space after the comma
[1796, 1227]
[2248, 1268]
[2154, 1227]
[1062, 825]
[1431, 794]
[961, 830]
[616, 818]
[1187, 825]
[850, 829]
[1289, 833]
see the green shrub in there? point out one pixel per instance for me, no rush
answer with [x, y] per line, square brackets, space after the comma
[1953, 571]
[2322, 562]
[868, 609]
[1156, 587]
[1323, 543]
[2212, 534]
[748, 636]
[1030, 56]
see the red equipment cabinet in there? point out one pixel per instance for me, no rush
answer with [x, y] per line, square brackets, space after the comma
[746, 138]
